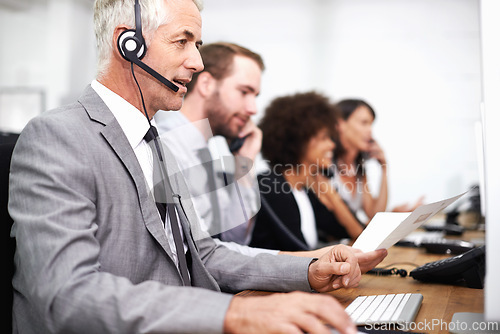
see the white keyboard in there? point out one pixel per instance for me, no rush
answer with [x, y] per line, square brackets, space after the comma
[391, 308]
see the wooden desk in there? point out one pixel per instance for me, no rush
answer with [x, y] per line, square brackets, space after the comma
[440, 301]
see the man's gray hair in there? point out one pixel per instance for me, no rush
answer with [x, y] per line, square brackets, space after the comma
[108, 14]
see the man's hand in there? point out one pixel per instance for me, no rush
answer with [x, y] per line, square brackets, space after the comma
[253, 142]
[369, 260]
[295, 312]
[366, 261]
[336, 268]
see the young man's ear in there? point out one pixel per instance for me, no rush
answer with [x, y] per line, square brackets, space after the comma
[205, 84]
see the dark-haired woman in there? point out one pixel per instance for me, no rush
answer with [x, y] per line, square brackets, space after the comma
[300, 207]
[354, 147]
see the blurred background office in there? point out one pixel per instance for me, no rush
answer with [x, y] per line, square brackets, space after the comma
[417, 62]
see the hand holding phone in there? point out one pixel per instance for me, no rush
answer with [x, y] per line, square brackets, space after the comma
[248, 143]
[236, 144]
[376, 152]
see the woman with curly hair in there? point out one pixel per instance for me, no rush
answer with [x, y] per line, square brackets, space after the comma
[300, 208]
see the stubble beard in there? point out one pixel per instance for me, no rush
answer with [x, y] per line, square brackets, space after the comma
[216, 111]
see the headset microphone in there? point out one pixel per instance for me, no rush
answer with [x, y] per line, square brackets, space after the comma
[132, 47]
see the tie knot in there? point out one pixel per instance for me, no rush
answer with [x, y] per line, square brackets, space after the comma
[151, 134]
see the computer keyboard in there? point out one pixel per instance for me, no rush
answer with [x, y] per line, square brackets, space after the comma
[380, 309]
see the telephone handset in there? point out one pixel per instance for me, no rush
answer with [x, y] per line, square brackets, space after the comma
[366, 155]
[328, 172]
[236, 144]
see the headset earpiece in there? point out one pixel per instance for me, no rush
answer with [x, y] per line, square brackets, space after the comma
[130, 46]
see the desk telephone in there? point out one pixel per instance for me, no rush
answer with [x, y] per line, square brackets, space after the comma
[447, 246]
[468, 267]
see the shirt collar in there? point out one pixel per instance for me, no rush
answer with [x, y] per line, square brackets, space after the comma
[174, 125]
[133, 123]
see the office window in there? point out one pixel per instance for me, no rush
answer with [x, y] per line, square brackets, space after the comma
[18, 105]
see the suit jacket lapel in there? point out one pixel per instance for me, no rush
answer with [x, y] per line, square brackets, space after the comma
[199, 275]
[114, 135]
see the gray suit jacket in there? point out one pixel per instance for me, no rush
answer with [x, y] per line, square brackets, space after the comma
[92, 255]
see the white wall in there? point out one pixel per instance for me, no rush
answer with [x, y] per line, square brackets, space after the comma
[416, 62]
[48, 45]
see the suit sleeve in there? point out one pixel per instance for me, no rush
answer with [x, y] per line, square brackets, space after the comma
[58, 269]
[234, 271]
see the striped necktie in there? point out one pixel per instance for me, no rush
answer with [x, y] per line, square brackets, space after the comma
[164, 198]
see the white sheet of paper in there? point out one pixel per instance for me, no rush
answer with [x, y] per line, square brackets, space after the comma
[387, 228]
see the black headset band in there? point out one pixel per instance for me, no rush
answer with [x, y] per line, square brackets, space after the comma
[138, 23]
[135, 56]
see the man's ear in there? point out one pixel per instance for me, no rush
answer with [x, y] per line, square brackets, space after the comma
[116, 34]
[205, 84]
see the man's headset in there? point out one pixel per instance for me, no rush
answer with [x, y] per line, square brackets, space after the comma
[132, 47]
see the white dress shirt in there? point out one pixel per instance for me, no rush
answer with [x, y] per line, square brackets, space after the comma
[186, 141]
[135, 125]
[307, 219]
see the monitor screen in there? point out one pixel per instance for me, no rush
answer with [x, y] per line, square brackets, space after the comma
[490, 49]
